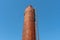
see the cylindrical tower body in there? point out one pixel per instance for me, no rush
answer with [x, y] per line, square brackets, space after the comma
[29, 24]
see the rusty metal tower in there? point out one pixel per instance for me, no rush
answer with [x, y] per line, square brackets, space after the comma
[29, 32]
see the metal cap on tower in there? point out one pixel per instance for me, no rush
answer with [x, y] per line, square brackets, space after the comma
[29, 8]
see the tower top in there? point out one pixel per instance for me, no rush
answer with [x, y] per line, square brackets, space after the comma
[29, 8]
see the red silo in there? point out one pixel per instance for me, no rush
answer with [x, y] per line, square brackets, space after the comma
[29, 32]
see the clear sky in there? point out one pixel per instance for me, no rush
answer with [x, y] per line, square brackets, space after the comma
[12, 17]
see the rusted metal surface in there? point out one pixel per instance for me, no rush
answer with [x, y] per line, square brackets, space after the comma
[29, 24]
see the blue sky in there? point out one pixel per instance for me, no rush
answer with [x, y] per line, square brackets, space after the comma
[12, 17]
